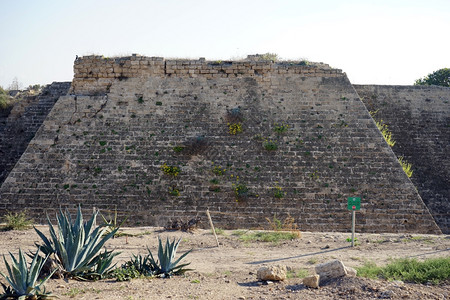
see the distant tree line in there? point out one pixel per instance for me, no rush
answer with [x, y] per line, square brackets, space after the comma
[440, 77]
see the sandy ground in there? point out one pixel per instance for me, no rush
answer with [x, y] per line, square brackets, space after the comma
[229, 271]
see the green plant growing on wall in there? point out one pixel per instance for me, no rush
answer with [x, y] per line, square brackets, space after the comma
[218, 170]
[173, 191]
[270, 145]
[314, 175]
[178, 149]
[280, 128]
[387, 134]
[234, 128]
[214, 181]
[269, 56]
[383, 128]
[240, 190]
[407, 167]
[304, 62]
[278, 192]
[170, 170]
[5, 100]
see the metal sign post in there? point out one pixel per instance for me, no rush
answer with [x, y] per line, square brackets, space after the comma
[353, 204]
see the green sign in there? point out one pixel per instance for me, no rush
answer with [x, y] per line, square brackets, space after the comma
[353, 203]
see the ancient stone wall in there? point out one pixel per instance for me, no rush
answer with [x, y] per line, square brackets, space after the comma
[19, 126]
[419, 118]
[261, 140]
[96, 74]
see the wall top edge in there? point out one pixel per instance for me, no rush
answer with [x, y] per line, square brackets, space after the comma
[251, 59]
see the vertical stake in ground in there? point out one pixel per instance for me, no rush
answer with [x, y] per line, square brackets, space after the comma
[353, 204]
[212, 226]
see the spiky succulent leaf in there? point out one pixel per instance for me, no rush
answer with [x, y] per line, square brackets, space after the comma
[22, 280]
[76, 245]
[167, 265]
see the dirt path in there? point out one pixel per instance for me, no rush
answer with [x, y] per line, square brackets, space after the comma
[229, 272]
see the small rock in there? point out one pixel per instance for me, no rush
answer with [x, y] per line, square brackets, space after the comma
[309, 242]
[330, 269]
[350, 271]
[275, 273]
[312, 281]
[387, 294]
[241, 298]
[398, 283]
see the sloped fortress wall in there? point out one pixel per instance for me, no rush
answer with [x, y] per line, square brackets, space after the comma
[20, 125]
[419, 118]
[162, 139]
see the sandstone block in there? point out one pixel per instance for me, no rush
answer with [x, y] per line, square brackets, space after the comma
[331, 269]
[312, 281]
[274, 273]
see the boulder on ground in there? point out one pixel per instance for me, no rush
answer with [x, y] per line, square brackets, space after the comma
[273, 273]
[312, 281]
[331, 269]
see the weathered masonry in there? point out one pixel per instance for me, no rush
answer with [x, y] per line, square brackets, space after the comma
[419, 118]
[162, 139]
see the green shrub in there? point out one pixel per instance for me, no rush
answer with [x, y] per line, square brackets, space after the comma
[17, 221]
[270, 146]
[269, 56]
[5, 100]
[262, 236]
[432, 270]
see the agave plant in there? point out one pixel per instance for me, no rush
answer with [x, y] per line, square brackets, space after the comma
[23, 280]
[137, 266]
[166, 264]
[77, 245]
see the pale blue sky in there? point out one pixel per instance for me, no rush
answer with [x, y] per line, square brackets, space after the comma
[374, 42]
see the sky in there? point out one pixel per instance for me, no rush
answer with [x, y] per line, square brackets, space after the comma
[390, 42]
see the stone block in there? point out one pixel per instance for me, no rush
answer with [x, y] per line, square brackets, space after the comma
[272, 273]
[312, 281]
[330, 270]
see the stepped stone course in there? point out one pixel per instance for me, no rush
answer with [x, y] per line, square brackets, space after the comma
[129, 123]
[19, 126]
[419, 118]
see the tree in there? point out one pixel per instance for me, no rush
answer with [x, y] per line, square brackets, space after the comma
[440, 77]
[15, 85]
